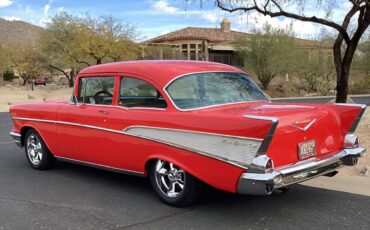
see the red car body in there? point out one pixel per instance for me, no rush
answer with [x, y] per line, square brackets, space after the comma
[200, 141]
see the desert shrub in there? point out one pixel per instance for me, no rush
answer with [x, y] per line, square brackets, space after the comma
[270, 52]
[8, 75]
[316, 75]
[360, 87]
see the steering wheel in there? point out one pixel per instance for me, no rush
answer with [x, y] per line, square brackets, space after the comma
[97, 95]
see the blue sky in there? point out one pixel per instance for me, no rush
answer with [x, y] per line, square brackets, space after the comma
[152, 17]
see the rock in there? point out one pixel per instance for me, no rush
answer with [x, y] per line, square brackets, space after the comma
[9, 86]
[311, 95]
[16, 81]
[365, 171]
[9, 103]
[332, 92]
[53, 87]
[29, 96]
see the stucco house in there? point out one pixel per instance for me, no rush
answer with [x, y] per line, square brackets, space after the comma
[208, 44]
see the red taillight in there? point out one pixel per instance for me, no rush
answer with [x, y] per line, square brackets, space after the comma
[269, 165]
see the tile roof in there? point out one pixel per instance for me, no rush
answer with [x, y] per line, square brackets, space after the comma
[218, 36]
[198, 33]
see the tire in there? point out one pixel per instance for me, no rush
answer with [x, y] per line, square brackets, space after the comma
[37, 153]
[173, 185]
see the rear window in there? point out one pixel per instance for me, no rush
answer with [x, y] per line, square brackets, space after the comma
[216, 88]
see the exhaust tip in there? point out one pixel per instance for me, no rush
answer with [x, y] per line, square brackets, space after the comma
[350, 160]
[331, 174]
[269, 189]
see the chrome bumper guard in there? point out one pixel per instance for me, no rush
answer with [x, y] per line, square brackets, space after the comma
[17, 138]
[266, 183]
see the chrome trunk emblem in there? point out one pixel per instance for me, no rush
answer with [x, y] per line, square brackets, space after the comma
[303, 124]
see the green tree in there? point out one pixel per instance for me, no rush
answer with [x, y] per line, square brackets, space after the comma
[28, 62]
[59, 43]
[4, 59]
[8, 75]
[106, 39]
[268, 53]
[316, 73]
[72, 42]
[364, 55]
[362, 63]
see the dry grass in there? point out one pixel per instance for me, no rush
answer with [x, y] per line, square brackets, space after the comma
[13, 95]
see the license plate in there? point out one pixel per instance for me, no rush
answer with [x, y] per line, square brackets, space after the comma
[306, 149]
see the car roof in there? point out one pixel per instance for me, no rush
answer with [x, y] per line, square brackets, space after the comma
[159, 71]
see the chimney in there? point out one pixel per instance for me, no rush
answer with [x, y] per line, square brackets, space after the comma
[225, 25]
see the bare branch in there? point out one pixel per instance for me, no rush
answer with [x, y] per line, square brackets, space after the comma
[355, 3]
[363, 23]
[339, 40]
[277, 5]
[81, 62]
[60, 70]
[281, 12]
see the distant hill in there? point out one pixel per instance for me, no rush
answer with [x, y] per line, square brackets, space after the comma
[15, 32]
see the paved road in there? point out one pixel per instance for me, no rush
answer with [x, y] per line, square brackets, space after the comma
[359, 99]
[77, 197]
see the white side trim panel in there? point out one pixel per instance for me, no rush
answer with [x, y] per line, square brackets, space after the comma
[234, 149]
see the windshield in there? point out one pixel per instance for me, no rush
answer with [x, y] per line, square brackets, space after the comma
[206, 89]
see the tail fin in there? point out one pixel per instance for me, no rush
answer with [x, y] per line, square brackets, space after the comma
[349, 115]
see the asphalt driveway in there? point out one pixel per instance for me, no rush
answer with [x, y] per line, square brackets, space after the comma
[78, 197]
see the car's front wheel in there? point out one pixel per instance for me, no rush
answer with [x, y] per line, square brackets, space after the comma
[173, 185]
[37, 153]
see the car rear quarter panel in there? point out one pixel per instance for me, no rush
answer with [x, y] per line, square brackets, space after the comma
[43, 111]
[141, 153]
[137, 152]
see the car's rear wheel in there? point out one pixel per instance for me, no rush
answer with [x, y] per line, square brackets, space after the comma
[37, 153]
[173, 185]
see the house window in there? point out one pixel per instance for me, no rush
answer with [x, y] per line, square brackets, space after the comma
[192, 46]
[192, 55]
[184, 46]
[184, 55]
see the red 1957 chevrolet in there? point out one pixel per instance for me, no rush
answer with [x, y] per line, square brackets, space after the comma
[184, 123]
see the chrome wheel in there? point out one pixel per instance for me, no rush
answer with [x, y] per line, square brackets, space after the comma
[34, 149]
[170, 178]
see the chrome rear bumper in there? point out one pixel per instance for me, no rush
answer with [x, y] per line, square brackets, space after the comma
[17, 138]
[266, 183]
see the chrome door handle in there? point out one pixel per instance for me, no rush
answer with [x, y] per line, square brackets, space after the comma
[104, 112]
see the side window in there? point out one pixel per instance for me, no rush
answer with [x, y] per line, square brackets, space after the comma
[96, 90]
[138, 93]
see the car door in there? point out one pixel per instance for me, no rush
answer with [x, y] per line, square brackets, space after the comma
[139, 104]
[82, 127]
